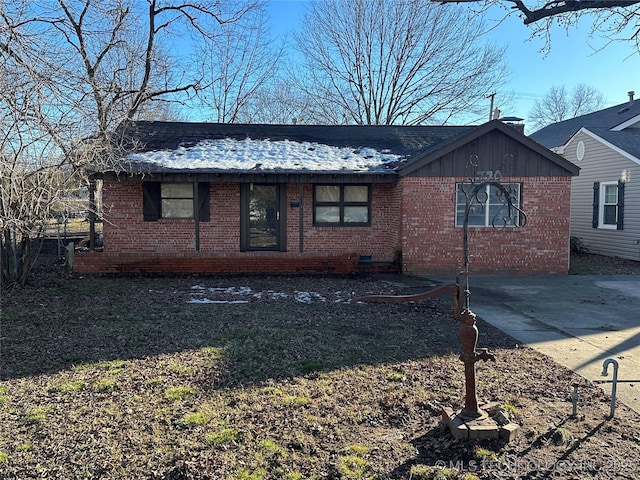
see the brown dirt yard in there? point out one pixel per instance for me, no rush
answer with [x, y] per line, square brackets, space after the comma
[260, 378]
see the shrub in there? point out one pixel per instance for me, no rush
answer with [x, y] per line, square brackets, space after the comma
[578, 246]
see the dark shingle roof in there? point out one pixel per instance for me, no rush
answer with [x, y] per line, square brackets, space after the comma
[557, 134]
[414, 145]
[627, 140]
[400, 140]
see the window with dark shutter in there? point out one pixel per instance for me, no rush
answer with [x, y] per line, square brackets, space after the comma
[620, 217]
[204, 201]
[177, 201]
[596, 205]
[151, 201]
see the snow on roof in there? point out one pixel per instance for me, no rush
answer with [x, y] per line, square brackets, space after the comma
[249, 154]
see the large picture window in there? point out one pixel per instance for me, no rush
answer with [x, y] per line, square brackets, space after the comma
[347, 205]
[489, 207]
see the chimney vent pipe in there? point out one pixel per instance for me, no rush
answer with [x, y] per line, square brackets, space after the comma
[631, 94]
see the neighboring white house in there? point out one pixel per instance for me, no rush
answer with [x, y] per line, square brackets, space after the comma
[605, 197]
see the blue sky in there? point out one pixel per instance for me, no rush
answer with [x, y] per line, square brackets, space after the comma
[574, 58]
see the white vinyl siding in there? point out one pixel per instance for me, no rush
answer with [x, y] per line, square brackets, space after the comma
[605, 165]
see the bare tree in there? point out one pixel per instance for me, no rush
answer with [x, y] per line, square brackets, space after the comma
[395, 62]
[558, 104]
[277, 102]
[75, 72]
[236, 67]
[609, 17]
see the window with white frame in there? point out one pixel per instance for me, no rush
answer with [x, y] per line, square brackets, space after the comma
[608, 205]
[488, 206]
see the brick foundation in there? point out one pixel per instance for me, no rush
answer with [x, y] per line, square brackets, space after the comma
[206, 264]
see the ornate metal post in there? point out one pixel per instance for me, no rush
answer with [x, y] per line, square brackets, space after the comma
[477, 193]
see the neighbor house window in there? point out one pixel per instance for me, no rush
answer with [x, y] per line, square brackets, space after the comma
[489, 207]
[608, 205]
[348, 205]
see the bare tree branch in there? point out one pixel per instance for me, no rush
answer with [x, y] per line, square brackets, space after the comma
[554, 8]
[236, 67]
[558, 104]
[388, 62]
[71, 73]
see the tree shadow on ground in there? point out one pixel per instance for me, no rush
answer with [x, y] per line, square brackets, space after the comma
[438, 449]
[89, 320]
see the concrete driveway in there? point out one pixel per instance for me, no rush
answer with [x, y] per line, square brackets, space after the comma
[578, 320]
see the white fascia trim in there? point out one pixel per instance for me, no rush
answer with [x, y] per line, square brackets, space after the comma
[624, 153]
[626, 124]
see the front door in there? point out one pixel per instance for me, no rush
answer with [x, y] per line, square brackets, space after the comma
[264, 217]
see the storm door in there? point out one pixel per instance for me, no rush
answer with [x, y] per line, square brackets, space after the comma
[262, 223]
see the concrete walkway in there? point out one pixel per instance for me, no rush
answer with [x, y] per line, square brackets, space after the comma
[578, 320]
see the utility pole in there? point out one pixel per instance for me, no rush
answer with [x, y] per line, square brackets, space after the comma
[491, 96]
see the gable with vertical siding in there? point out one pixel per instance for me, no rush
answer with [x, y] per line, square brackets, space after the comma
[492, 146]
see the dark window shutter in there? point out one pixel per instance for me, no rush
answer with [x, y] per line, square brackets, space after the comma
[596, 204]
[151, 201]
[204, 200]
[620, 219]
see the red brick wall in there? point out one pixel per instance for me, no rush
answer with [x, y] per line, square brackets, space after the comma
[380, 240]
[432, 243]
[168, 245]
[417, 216]
[125, 230]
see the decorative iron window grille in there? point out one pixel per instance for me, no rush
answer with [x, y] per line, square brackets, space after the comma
[490, 204]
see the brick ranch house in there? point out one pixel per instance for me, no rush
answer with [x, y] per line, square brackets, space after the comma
[230, 198]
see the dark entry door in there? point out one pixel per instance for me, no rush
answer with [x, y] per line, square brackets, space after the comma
[264, 217]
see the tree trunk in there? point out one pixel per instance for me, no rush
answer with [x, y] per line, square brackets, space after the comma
[24, 261]
[15, 259]
[9, 259]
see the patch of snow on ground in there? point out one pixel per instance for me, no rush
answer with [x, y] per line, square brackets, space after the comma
[207, 300]
[200, 294]
[308, 297]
